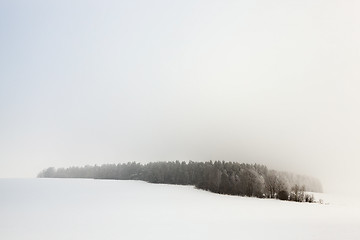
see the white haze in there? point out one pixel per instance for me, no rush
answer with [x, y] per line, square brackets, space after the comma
[93, 82]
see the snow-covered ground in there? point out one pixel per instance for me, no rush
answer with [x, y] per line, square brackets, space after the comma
[108, 209]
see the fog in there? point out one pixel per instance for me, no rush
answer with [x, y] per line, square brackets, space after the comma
[271, 82]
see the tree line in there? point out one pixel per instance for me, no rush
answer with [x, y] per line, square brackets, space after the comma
[222, 177]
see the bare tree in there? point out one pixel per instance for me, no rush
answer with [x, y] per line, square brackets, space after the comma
[274, 184]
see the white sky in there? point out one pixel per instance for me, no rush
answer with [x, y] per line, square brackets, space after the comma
[92, 82]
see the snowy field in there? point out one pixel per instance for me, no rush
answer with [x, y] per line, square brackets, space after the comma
[107, 209]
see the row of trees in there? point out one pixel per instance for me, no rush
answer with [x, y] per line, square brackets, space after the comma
[219, 177]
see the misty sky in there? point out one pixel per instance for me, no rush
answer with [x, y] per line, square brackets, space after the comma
[92, 82]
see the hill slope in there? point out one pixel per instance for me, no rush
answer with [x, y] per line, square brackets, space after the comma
[113, 209]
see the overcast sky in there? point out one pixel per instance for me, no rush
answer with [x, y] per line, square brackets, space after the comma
[92, 82]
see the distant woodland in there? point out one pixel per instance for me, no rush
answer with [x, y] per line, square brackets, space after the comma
[231, 178]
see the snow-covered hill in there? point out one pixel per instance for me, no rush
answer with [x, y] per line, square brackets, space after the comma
[109, 209]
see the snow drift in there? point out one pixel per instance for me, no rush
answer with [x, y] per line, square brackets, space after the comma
[114, 209]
